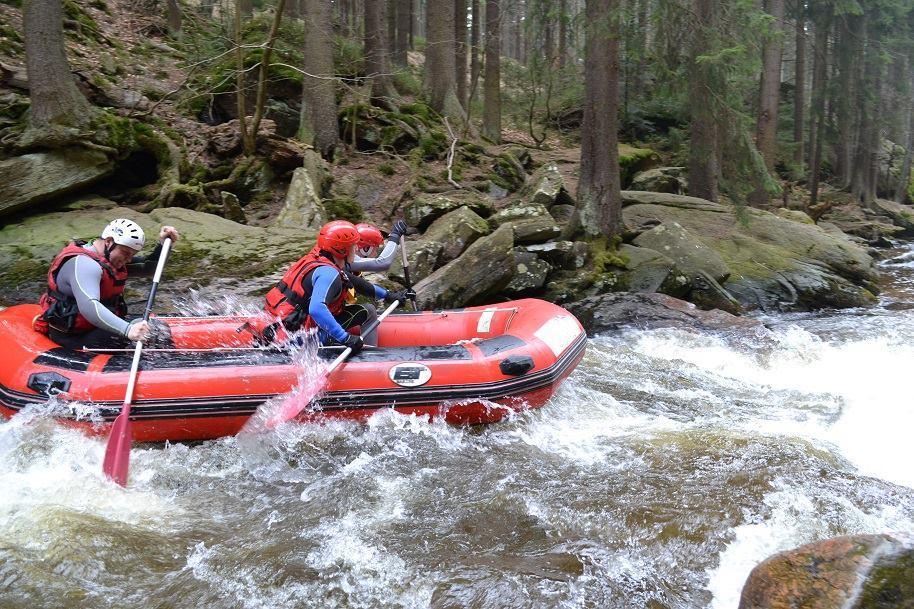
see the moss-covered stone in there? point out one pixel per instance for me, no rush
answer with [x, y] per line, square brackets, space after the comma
[344, 208]
[632, 160]
[456, 231]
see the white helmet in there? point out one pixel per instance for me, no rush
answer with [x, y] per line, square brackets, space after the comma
[125, 232]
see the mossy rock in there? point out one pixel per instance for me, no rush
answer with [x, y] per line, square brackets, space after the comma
[632, 160]
[426, 208]
[344, 208]
[456, 231]
[508, 172]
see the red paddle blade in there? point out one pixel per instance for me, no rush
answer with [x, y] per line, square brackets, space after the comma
[117, 453]
[298, 400]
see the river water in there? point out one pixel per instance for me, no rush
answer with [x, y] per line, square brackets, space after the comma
[669, 464]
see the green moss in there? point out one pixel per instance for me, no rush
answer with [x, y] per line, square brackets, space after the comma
[431, 146]
[507, 172]
[344, 208]
[423, 111]
[10, 40]
[13, 3]
[386, 169]
[86, 25]
[407, 83]
[890, 584]
[632, 160]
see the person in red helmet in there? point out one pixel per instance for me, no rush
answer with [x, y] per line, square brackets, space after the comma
[312, 293]
[370, 239]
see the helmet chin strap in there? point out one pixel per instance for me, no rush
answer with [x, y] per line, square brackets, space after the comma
[108, 249]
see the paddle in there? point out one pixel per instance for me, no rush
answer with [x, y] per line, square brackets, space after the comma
[409, 283]
[295, 403]
[117, 453]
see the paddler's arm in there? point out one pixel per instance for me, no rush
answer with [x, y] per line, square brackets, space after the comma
[146, 265]
[325, 282]
[366, 288]
[376, 265]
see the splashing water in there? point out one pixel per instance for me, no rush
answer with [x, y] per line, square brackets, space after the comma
[666, 467]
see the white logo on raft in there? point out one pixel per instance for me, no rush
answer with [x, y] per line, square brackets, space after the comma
[410, 375]
[559, 332]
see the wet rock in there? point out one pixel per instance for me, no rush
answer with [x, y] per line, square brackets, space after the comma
[482, 271]
[853, 572]
[423, 259]
[774, 263]
[661, 179]
[708, 294]
[530, 273]
[31, 179]
[604, 312]
[426, 208]
[901, 215]
[303, 207]
[651, 271]
[455, 231]
[685, 249]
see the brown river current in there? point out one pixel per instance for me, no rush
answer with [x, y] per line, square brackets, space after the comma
[669, 464]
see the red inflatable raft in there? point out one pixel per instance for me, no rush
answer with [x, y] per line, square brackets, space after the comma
[471, 365]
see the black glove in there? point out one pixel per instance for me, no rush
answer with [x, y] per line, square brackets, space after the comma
[397, 231]
[354, 342]
[401, 296]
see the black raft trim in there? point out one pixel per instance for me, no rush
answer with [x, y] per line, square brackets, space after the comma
[65, 359]
[280, 357]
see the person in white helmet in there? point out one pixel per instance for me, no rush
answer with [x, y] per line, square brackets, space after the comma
[84, 305]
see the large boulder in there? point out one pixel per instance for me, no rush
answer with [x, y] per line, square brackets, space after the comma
[456, 231]
[422, 257]
[661, 179]
[483, 270]
[685, 249]
[568, 255]
[772, 262]
[615, 310]
[531, 222]
[633, 160]
[303, 207]
[530, 273]
[650, 271]
[426, 208]
[545, 186]
[212, 250]
[31, 179]
[901, 215]
[851, 572]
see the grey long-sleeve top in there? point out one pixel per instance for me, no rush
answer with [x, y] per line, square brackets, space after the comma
[81, 277]
[375, 265]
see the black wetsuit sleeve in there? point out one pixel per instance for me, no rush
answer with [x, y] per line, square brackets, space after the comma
[145, 265]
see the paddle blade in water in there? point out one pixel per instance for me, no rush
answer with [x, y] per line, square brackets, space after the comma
[117, 453]
[293, 403]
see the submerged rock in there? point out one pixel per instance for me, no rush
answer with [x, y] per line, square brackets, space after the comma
[851, 572]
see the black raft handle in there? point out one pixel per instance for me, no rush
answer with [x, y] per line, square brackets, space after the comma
[516, 365]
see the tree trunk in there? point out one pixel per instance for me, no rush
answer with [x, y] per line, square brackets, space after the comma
[460, 44]
[53, 93]
[599, 207]
[174, 19]
[404, 25]
[904, 178]
[769, 98]
[439, 61]
[318, 125]
[250, 137]
[845, 50]
[474, 51]
[799, 90]
[548, 38]
[563, 33]
[817, 114]
[391, 29]
[704, 167]
[245, 7]
[240, 80]
[491, 114]
[292, 9]
[376, 54]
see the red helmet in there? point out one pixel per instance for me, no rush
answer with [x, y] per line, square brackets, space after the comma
[369, 236]
[337, 237]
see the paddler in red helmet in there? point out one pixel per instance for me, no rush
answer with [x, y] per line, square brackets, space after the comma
[312, 293]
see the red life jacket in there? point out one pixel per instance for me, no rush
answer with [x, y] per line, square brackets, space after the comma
[290, 298]
[60, 311]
